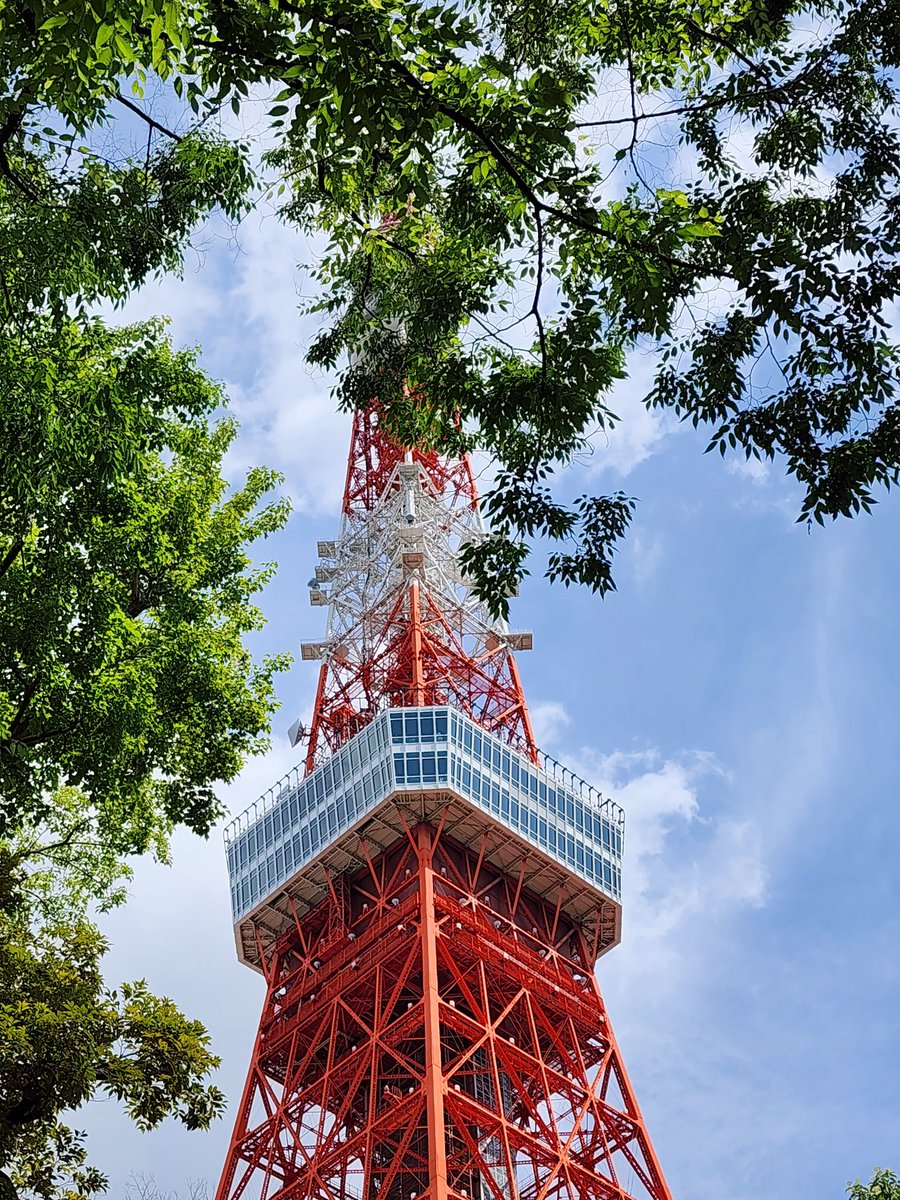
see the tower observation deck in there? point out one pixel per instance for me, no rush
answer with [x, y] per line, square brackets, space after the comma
[427, 897]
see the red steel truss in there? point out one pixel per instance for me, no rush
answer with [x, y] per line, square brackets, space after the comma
[433, 1031]
[374, 457]
[418, 643]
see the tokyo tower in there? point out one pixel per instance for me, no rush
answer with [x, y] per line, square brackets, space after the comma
[427, 897]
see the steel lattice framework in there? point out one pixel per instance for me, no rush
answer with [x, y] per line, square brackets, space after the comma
[433, 1028]
[404, 629]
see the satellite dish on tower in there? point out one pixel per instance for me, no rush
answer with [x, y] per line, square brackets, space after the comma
[297, 733]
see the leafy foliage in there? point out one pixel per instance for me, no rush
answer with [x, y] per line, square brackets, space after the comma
[516, 196]
[65, 1037]
[125, 586]
[884, 1185]
[780, 203]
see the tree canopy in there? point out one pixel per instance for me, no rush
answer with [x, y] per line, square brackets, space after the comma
[65, 1036]
[125, 584]
[517, 195]
[884, 1185]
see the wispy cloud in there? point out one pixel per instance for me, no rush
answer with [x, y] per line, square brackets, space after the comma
[240, 299]
[689, 863]
[644, 554]
[549, 719]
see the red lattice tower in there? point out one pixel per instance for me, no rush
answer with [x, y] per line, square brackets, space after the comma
[404, 629]
[427, 898]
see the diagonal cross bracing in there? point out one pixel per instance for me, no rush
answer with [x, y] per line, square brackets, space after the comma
[427, 905]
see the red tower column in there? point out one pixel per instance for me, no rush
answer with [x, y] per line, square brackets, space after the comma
[428, 904]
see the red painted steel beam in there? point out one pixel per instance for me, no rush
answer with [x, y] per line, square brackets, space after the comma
[434, 1052]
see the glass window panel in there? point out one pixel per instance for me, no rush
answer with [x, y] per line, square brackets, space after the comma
[429, 767]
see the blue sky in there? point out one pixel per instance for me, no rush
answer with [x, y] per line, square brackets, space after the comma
[738, 695]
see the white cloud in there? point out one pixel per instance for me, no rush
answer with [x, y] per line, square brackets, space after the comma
[637, 434]
[548, 719]
[754, 469]
[240, 300]
[287, 413]
[645, 553]
[688, 863]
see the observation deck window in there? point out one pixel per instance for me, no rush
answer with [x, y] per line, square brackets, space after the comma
[421, 748]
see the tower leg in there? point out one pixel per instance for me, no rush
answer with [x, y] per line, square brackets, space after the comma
[440, 1036]
[434, 1078]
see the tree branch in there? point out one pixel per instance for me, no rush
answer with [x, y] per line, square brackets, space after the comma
[11, 555]
[24, 704]
[146, 117]
[686, 109]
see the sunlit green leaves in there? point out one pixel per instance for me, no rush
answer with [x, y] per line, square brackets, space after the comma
[884, 1185]
[65, 1037]
[125, 584]
[508, 210]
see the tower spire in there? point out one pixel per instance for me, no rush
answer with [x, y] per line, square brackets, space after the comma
[428, 898]
[404, 628]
